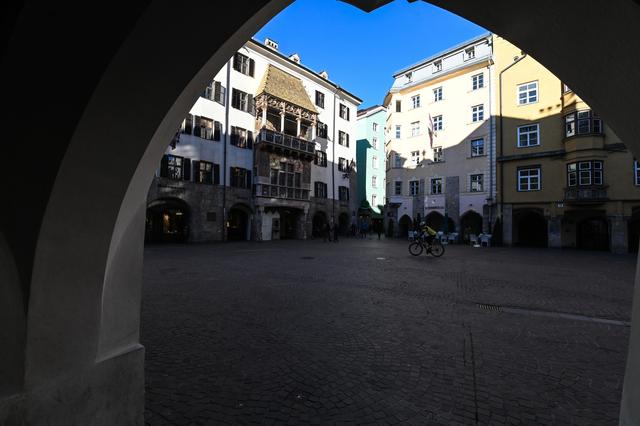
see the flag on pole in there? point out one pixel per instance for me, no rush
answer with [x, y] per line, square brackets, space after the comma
[430, 131]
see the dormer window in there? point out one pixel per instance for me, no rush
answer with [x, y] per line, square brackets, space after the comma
[469, 53]
[409, 76]
[437, 66]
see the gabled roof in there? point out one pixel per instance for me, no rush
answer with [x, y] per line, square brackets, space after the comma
[283, 85]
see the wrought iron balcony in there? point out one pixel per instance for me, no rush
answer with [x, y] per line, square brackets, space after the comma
[277, 191]
[286, 141]
[585, 194]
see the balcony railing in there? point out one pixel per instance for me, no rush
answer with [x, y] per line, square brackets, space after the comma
[585, 194]
[286, 141]
[277, 191]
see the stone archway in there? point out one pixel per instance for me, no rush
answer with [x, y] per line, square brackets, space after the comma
[435, 220]
[167, 221]
[80, 290]
[405, 224]
[470, 223]
[239, 223]
[530, 228]
[318, 223]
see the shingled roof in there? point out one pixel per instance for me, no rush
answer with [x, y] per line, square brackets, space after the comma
[283, 85]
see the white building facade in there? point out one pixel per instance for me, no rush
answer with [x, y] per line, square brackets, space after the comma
[267, 152]
[440, 142]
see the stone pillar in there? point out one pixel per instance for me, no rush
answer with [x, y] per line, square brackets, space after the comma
[264, 115]
[281, 121]
[555, 232]
[313, 131]
[298, 126]
[619, 240]
[507, 224]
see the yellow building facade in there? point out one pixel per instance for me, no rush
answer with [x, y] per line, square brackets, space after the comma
[564, 178]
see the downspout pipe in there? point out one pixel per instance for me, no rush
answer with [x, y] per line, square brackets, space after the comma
[501, 190]
[227, 140]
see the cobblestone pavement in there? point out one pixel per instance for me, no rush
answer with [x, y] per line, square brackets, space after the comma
[298, 332]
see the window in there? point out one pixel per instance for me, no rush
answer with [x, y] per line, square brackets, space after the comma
[397, 160]
[437, 66]
[477, 113]
[397, 189]
[469, 53]
[320, 189]
[242, 101]
[528, 93]
[343, 138]
[415, 158]
[172, 167]
[436, 186]
[374, 200]
[572, 174]
[374, 142]
[437, 123]
[415, 128]
[636, 172]
[437, 94]
[475, 183]
[438, 154]
[374, 181]
[343, 193]
[343, 166]
[320, 159]
[582, 123]
[585, 173]
[414, 187]
[477, 81]
[529, 179]
[477, 147]
[286, 182]
[344, 112]
[203, 128]
[240, 178]
[187, 125]
[398, 106]
[241, 138]
[374, 162]
[320, 99]
[322, 130]
[398, 127]
[375, 127]
[204, 172]
[215, 92]
[415, 101]
[244, 64]
[528, 135]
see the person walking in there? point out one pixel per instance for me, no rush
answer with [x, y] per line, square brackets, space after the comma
[378, 228]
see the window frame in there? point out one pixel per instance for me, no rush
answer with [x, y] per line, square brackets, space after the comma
[319, 99]
[522, 169]
[439, 158]
[438, 123]
[474, 150]
[477, 113]
[477, 81]
[527, 93]
[479, 182]
[436, 182]
[437, 94]
[520, 132]
[415, 101]
[397, 187]
[414, 187]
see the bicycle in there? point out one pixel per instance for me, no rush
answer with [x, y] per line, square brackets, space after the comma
[432, 246]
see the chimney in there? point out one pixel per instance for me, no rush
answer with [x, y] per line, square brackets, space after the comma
[295, 58]
[272, 44]
[324, 75]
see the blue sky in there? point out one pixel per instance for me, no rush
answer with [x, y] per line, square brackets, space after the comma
[361, 51]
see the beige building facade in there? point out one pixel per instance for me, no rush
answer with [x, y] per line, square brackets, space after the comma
[566, 180]
[440, 142]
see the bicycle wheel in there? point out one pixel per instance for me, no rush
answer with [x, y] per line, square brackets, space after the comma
[436, 249]
[415, 248]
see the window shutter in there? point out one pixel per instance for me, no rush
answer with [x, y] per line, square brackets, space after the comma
[164, 166]
[236, 62]
[248, 179]
[196, 129]
[188, 124]
[234, 135]
[217, 130]
[232, 177]
[250, 105]
[252, 66]
[217, 91]
[216, 174]
[235, 99]
[347, 134]
[196, 171]
[186, 169]
[249, 139]
[348, 111]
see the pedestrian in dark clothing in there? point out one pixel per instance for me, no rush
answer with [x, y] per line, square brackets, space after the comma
[378, 227]
[326, 232]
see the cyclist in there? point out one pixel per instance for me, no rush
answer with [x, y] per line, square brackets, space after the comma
[427, 232]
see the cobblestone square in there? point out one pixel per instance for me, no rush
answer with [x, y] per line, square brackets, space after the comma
[360, 332]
